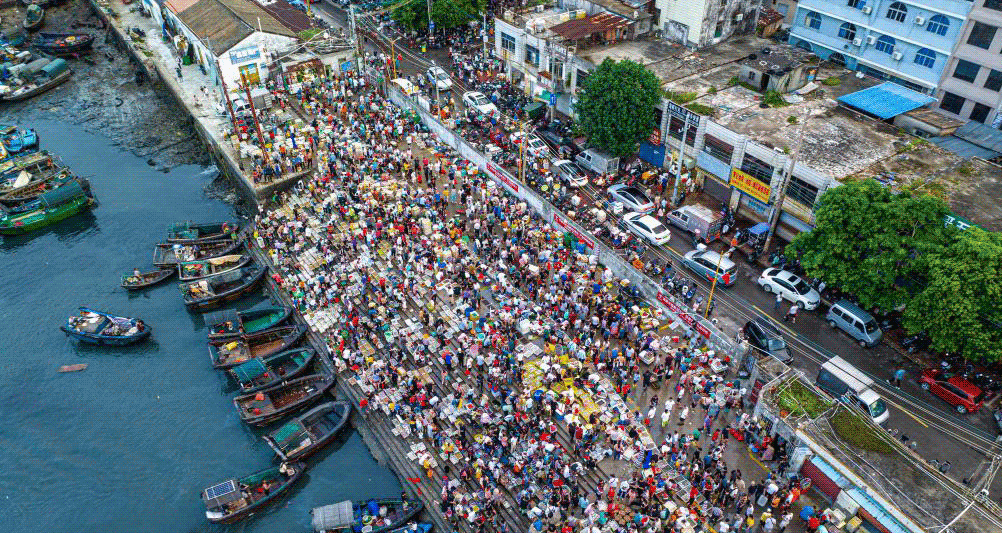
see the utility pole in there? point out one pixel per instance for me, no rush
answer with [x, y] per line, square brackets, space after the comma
[431, 25]
[438, 96]
[393, 56]
[681, 157]
[250, 102]
[226, 93]
[354, 37]
[484, 30]
[778, 209]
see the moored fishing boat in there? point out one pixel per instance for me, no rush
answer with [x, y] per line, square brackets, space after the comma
[373, 516]
[230, 323]
[16, 140]
[308, 433]
[11, 170]
[210, 293]
[135, 282]
[53, 74]
[54, 206]
[228, 353]
[105, 329]
[62, 44]
[265, 406]
[205, 268]
[263, 372]
[190, 232]
[169, 254]
[236, 499]
[45, 181]
[34, 16]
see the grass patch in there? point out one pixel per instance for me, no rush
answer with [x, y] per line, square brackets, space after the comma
[799, 400]
[774, 99]
[306, 35]
[792, 119]
[701, 109]
[966, 170]
[681, 98]
[711, 90]
[832, 81]
[858, 433]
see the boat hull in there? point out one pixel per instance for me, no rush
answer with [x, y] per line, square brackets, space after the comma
[107, 340]
[51, 216]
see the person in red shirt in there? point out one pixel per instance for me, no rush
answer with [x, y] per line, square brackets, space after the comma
[813, 524]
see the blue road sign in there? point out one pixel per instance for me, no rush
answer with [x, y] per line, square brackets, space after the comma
[553, 99]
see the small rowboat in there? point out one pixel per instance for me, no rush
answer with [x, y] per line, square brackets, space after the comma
[98, 327]
[374, 516]
[310, 432]
[230, 323]
[34, 16]
[145, 279]
[262, 407]
[263, 372]
[228, 353]
[236, 499]
[210, 293]
[169, 254]
[206, 268]
[63, 44]
[189, 232]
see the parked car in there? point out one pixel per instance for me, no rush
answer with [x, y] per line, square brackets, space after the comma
[569, 173]
[707, 262]
[859, 324]
[534, 146]
[963, 395]
[477, 100]
[631, 197]
[439, 77]
[790, 286]
[766, 337]
[646, 227]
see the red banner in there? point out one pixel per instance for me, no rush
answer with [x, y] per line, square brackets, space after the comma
[561, 223]
[503, 176]
[685, 317]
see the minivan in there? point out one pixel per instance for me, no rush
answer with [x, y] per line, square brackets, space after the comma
[859, 324]
[845, 382]
[597, 162]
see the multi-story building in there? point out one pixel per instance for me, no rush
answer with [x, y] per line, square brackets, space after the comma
[971, 85]
[907, 42]
[702, 23]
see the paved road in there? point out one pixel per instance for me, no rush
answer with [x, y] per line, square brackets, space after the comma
[938, 432]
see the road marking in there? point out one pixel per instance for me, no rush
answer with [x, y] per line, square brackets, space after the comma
[759, 463]
[777, 322]
[907, 412]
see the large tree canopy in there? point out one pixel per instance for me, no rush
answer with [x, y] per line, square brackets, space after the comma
[445, 13]
[960, 308]
[616, 105]
[874, 244]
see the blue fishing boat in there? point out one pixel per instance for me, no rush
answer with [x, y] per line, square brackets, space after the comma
[375, 516]
[105, 329]
[17, 141]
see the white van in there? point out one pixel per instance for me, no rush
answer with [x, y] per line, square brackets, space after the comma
[845, 382]
[597, 162]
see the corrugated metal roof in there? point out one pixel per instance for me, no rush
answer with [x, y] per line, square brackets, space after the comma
[981, 134]
[877, 511]
[963, 148]
[886, 100]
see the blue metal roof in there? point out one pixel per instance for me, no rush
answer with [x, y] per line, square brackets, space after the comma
[877, 511]
[963, 148]
[886, 100]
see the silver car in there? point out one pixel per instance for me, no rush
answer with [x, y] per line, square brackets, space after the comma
[631, 197]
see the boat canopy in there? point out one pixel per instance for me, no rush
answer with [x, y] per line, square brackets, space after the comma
[216, 261]
[61, 195]
[55, 68]
[333, 516]
[293, 431]
[249, 370]
[222, 317]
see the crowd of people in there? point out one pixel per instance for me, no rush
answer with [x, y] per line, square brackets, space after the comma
[554, 392]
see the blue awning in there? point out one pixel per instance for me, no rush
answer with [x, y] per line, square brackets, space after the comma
[881, 515]
[886, 100]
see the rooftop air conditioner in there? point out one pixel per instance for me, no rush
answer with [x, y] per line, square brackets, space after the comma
[871, 39]
[867, 10]
[919, 20]
[540, 8]
[857, 42]
[738, 17]
[896, 56]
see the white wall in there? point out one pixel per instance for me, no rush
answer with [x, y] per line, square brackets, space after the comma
[267, 45]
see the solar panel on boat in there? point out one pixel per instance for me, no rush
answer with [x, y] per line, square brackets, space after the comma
[221, 489]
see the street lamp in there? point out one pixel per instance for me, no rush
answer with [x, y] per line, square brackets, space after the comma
[713, 286]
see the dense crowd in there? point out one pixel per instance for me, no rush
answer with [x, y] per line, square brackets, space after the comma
[559, 393]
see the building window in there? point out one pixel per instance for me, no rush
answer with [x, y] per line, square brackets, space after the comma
[994, 81]
[980, 112]
[925, 57]
[677, 124]
[858, 4]
[813, 20]
[751, 75]
[757, 168]
[802, 192]
[994, 4]
[580, 78]
[967, 71]
[938, 24]
[885, 44]
[982, 35]
[719, 30]
[717, 148]
[847, 31]
[532, 55]
[952, 103]
[508, 42]
[898, 11]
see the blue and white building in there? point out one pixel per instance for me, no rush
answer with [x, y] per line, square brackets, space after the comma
[906, 42]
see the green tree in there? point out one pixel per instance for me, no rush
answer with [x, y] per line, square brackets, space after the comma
[960, 308]
[873, 244]
[616, 105]
[445, 13]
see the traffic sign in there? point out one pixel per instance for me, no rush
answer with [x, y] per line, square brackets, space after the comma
[431, 25]
[553, 99]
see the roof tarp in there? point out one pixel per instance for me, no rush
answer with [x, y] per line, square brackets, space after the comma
[249, 370]
[292, 430]
[63, 194]
[221, 317]
[886, 100]
[332, 516]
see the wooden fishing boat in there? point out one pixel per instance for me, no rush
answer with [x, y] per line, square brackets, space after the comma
[210, 293]
[34, 16]
[51, 75]
[54, 206]
[265, 406]
[63, 44]
[230, 323]
[46, 181]
[11, 176]
[263, 372]
[308, 433]
[236, 499]
[16, 140]
[189, 232]
[169, 254]
[133, 282]
[206, 268]
[228, 353]
[375, 516]
[105, 329]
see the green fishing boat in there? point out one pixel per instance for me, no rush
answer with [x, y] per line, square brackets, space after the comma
[55, 205]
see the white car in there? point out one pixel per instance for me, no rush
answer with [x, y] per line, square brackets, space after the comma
[534, 146]
[439, 77]
[477, 100]
[790, 287]
[647, 227]
[569, 173]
